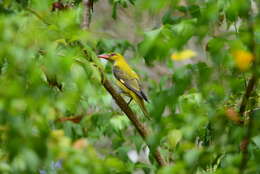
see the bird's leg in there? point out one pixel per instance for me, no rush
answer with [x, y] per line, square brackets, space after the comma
[129, 101]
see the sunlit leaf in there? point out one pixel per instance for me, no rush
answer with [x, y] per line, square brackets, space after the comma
[174, 137]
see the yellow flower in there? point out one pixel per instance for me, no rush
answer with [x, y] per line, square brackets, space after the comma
[182, 55]
[243, 59]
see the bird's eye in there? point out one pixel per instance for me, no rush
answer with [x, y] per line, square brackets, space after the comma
[113, 54]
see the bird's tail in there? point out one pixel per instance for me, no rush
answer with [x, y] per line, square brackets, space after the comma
[140, 102]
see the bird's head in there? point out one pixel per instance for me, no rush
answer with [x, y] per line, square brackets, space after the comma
[111, 56]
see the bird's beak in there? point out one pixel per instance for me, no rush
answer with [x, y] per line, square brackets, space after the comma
[104, 56]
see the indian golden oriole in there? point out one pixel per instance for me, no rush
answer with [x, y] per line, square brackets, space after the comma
[127, 80]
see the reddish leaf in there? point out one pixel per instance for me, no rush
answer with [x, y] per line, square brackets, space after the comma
[74, 119]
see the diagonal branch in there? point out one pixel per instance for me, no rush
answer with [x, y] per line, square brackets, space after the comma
[125, 108]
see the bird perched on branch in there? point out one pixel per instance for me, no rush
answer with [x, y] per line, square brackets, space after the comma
[127, 80]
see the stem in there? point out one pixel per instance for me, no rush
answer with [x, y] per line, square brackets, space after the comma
[38, 16]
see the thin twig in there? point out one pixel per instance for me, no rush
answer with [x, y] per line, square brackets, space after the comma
[37, 15]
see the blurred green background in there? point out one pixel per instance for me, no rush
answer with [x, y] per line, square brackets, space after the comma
[196, 59]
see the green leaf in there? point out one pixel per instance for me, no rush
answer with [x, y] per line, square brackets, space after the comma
[115, 164]
[192, 156]
[256, 140]
[174, 137]
[119, 122]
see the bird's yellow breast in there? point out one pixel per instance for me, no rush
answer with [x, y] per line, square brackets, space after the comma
[126, 68]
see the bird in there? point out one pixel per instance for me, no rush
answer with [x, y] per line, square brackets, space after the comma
[127, 80]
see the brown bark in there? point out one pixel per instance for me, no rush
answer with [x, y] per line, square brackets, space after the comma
[87, 13]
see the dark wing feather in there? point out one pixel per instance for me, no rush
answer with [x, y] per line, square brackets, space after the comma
[131, 83]
[144, 96]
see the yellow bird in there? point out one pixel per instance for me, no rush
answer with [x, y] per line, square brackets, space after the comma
[127, 80]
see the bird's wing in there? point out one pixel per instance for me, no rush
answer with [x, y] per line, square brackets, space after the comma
[131, 83]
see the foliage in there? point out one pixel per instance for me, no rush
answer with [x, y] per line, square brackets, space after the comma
[56, 117]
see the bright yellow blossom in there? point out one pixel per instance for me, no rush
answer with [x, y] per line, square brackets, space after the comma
[243, 59]
[182, 55]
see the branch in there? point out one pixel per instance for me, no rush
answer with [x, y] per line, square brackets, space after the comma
[125, 108]
[250, 89]
[87, 13]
